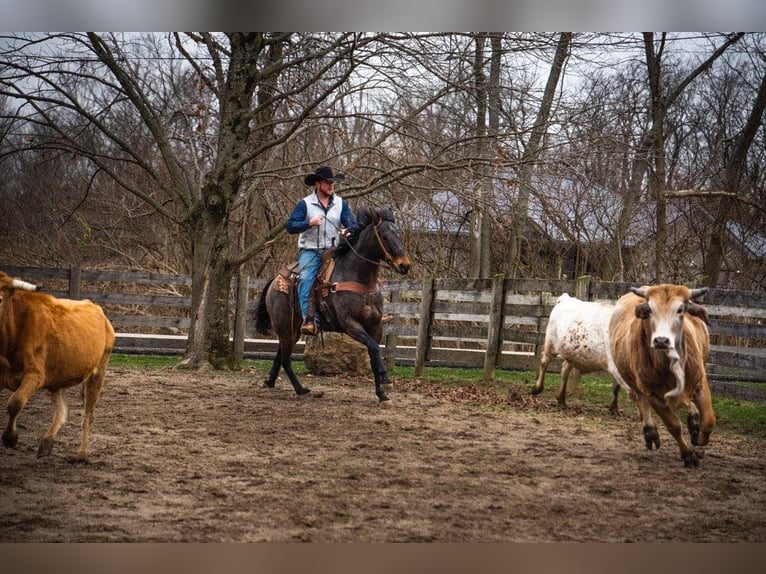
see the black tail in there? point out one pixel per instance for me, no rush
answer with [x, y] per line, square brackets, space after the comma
[262, 319]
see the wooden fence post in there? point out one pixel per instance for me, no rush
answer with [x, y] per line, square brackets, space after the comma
[391, 338]
[240, 316]
[582, 290]
[495, 326]
[75, 282]
[424, 325]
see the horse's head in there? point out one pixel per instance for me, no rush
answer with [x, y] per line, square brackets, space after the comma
[383, 225]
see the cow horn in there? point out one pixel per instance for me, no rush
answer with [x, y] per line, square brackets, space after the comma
[699, 292]
[638, 291]
[19, 284]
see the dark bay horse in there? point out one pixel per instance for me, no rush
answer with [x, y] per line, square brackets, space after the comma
[352, 305]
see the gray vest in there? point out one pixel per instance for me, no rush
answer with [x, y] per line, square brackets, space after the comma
[325, 235]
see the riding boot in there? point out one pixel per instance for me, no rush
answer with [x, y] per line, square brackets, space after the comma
[309, 326]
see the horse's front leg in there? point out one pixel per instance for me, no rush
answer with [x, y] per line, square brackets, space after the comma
[382, 382]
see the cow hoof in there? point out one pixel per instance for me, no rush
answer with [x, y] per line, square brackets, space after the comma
[10, 440]
[651, 437]
[690, 459]
[46, 446]
[77, 459]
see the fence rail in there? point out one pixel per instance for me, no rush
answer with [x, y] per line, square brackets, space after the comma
[482, 323]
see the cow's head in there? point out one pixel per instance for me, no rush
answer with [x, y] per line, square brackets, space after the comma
[9, 284]
[664, 309]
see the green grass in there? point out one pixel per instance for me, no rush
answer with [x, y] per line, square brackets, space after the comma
[139, 361]
[591, 396]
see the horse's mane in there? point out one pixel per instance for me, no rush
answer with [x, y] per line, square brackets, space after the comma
[364, 217]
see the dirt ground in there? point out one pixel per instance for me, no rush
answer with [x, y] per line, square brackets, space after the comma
[184, 457]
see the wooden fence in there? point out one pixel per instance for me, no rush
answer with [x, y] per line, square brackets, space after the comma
[482, 323]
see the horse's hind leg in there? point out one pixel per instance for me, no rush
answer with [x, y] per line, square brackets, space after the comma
[284, 361]
[271, 381]
[287, 365]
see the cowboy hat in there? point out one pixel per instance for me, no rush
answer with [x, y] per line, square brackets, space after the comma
[323, 173]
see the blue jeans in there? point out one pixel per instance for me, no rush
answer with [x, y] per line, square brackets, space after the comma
[309, 261]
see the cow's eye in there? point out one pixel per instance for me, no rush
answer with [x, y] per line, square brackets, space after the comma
[680, 310]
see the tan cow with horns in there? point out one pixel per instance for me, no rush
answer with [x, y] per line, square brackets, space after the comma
[660, 342]
[50, 343]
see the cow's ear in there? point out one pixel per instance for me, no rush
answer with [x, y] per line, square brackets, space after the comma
[698, 311]
[643, 311]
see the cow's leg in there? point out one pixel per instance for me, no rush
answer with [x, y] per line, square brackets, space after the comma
[613, 406]
[92, 388]
[29, 384]
[545, 358]
[693, 422]
[706, 416]
[60, 412]
[566, 369]
[673, 425]
[651, 436]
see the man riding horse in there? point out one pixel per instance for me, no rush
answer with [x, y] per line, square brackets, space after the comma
[320, 218]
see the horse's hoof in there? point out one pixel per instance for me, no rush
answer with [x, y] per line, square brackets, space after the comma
[385, 403]
[386, 387]
[268, 384]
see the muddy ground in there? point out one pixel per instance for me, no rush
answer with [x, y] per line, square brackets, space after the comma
[177, 456]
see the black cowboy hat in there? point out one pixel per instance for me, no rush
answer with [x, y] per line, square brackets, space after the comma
[323, 173]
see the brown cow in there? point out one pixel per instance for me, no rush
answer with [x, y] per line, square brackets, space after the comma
[659, 344]
[50, 343]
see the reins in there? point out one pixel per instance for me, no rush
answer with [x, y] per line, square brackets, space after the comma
[387, 256]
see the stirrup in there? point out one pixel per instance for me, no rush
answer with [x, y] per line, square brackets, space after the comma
[309, 327]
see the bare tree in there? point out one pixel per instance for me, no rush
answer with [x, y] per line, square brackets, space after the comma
[662, 97]
[532, 152]
[733, 173]
[81, 84]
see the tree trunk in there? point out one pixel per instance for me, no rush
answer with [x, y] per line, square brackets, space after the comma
[531, 154]
[616, 266]
[478, 215]
[212, 270]
[732, 177]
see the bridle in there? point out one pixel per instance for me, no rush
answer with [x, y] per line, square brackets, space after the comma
[388, 258]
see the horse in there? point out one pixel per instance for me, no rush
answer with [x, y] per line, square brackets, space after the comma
[349, 302]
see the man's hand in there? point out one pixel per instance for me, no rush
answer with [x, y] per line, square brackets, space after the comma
[345, 233]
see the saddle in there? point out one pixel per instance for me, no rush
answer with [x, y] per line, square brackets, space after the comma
[287, 281]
